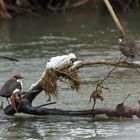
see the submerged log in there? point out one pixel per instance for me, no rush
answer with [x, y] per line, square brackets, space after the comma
[25, 106]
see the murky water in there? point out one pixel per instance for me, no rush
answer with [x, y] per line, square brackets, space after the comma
[89, 36]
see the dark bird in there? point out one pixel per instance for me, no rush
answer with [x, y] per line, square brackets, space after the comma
[12, 86]
[128, 47]
[120, 107]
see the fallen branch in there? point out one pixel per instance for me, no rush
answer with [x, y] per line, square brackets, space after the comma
[25, 104]
[109, 62]
[26, 107]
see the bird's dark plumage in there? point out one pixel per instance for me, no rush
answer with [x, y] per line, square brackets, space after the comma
[12, 85]
[128, 47]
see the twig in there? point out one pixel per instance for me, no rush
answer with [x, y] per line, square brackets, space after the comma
[45, 104]
[9, 58]
[98, 91]
[126, 98]
[79, 3]
[22, 10]
[109, 73]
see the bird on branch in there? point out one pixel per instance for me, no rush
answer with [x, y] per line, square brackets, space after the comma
[128, 47]
[11, 90]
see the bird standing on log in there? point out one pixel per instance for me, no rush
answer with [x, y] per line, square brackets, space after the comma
[12, 87]
[128, 47]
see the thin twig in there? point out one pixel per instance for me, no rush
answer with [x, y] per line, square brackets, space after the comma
[109, 73]
[126, 98]
[45, 104]
[79, 3]
[9, 58]
[99, 91]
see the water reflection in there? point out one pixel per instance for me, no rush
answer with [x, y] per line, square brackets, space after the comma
[4, 31]
[62, 128]
[43, 36]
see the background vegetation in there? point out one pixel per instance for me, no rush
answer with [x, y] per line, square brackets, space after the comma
[11, 8]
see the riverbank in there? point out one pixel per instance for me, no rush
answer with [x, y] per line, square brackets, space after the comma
[12, 8]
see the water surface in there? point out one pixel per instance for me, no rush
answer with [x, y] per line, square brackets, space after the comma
[89, 36]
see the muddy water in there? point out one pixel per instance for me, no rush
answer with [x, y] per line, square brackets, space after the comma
[89, 36]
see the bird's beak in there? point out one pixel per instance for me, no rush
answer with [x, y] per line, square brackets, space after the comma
[120, 40]
[21, 77]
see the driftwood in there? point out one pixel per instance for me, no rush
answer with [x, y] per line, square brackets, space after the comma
[25, 104]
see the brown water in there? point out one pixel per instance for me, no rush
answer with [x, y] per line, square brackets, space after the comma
[89, 36]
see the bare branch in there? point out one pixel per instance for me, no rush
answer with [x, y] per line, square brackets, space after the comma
[110, 62]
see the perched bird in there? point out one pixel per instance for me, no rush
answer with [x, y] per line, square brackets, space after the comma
[12, 86]
[128, 47]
